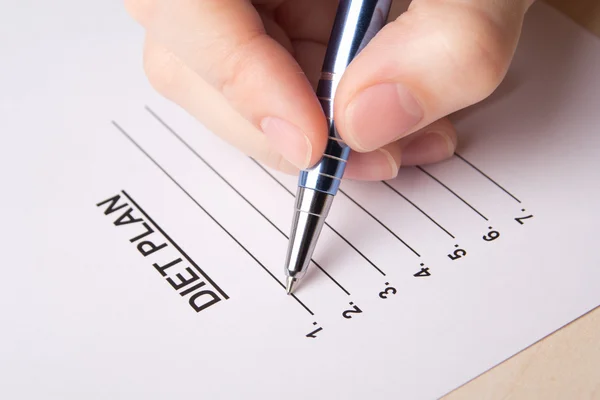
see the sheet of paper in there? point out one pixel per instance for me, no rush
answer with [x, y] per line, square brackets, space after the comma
[143, 256]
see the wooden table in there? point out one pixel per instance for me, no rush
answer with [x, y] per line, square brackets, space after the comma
[565, 365]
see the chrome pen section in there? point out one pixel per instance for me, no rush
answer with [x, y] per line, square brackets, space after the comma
[356, 23]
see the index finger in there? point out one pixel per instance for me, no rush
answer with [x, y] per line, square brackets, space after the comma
[225, 43]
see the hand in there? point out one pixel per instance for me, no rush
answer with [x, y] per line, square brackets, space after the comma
[248, 70]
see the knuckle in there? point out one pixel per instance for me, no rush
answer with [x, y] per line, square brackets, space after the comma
[480, 55]
[161, 69]
[141, 10]
[237, 66]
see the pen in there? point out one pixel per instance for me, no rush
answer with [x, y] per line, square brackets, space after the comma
[356, 23]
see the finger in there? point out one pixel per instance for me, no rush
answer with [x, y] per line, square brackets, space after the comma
[436, 58]
[226, 44]
[434, 143]
[378, 165]
[174, 80]
[308, 20]
[310, 56]
[178, 83]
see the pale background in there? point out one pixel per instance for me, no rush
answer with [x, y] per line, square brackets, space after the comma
[566, 365]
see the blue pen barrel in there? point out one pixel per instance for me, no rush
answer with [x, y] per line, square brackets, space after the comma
[327, 174]
[357, 22]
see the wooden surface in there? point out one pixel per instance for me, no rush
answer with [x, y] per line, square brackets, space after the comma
[565, 365]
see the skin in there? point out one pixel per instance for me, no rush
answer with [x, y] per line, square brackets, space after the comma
[248, 71]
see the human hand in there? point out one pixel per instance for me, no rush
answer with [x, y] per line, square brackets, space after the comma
[248, 69]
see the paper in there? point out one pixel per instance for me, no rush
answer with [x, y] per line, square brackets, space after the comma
[422, 283]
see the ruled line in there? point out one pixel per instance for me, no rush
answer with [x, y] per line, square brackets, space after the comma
[453, 192]
[371, 263]
[199, 157]
[120, 129]
[380, 223]
[419, 209]
[487, 177]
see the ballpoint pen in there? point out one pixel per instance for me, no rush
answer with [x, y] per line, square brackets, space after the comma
[356, 23]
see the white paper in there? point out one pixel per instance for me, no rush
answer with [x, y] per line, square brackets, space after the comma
[86, 315]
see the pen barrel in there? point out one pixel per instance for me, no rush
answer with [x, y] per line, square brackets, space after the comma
[356, 23]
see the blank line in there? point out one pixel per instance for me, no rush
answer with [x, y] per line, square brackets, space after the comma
[418, 208]
[326, 223]
[380, 223]
[330, 277]
[179, 249]
[486, 176]
[271, 175]
[207, 213]
[453, 192]
[355, 249]
[190, 148]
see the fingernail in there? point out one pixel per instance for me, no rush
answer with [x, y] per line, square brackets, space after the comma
[380, 115]
[429, 148]
[374, 166]
[288, 140]
[392, 164]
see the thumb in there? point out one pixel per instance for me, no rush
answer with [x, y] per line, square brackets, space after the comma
[437, 58]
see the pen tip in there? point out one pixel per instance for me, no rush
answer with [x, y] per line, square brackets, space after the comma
[289, 285]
